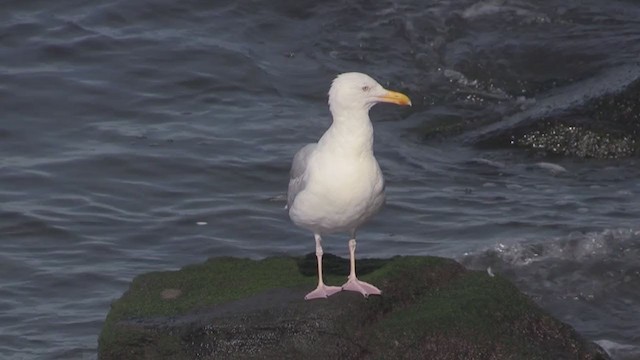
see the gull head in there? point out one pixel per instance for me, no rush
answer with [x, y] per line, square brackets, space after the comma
[354, 92]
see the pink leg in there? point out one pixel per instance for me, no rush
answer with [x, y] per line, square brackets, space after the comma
[322, 291]
[353, 284]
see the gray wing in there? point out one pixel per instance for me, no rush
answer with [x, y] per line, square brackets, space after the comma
[297, 179]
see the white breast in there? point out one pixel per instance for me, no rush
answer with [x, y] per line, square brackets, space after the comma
[341, 193]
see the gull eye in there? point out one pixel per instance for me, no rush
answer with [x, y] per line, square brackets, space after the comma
[366, 88]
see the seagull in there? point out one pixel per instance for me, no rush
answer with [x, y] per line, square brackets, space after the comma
[336, 184]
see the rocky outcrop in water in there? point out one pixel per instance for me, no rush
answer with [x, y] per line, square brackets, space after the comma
[431, 308]
[594, 118]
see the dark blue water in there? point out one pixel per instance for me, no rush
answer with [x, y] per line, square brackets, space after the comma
[146, 135]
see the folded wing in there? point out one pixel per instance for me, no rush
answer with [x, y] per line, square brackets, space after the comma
[297, 178]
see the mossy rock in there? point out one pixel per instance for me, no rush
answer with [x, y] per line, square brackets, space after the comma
[431, 308]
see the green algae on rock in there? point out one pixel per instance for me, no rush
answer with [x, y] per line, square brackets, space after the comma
[431, 308]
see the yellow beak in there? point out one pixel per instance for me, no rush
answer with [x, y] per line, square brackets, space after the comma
[395, 98]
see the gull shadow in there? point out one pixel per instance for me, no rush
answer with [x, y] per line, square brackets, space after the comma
[335, 265]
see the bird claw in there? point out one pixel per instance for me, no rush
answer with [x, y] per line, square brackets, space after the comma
[322, 292]
[364, 288]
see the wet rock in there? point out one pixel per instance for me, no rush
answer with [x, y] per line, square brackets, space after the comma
[431, 308]
[595, 118]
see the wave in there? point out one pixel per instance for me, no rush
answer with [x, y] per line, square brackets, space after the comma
[589, 280]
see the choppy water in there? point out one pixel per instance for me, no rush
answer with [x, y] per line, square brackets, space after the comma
[125, 124]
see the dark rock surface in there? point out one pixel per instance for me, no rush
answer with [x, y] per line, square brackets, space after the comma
[596, 117]
[431, 308]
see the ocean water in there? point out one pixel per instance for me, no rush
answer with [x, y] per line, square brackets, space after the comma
[140, 136]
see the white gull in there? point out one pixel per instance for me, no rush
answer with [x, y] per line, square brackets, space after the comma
[336, 184]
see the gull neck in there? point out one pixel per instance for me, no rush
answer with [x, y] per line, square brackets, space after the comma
[351, 133]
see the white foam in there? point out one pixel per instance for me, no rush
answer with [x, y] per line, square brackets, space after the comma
[551, 167]
[618, 350]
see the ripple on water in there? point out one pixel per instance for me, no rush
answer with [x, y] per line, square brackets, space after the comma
[126, 125]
